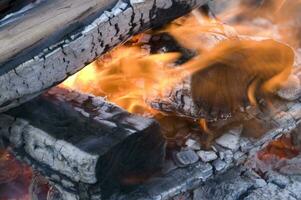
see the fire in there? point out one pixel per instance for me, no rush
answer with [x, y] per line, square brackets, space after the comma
[126, 76]
[131, 74]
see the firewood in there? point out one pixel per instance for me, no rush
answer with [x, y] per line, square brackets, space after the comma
[222, 78]
[57, 38]
[83, 138]
[10, 6]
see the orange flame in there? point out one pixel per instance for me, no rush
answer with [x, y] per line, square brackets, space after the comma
[125, 76]
[130, 74]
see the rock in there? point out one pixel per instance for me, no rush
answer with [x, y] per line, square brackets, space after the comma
[207, 156]
[186, 157]
[193, 144]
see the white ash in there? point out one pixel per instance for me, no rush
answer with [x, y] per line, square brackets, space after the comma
[207, 156]
[219, 165]
[229, 141]
[193, 144]
[291, 89]
[186, 157]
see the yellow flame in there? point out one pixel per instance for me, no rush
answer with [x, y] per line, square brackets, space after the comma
[129, 75]
[126, 76]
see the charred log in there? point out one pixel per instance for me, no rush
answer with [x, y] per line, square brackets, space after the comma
[10, 6]
[227, 79]
[58, 38]
[83, 138]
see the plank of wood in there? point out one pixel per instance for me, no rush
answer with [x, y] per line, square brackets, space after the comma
[57, 38]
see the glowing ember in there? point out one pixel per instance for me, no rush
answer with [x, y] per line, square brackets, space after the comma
[125, 76]
[282, 148]
[15, 178]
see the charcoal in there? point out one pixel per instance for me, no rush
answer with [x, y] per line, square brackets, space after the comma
[186, 157]
[84, 138]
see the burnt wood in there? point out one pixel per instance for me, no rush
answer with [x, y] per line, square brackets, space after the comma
[221, 78]
[57, 38]
[84, 138]
[10, 6]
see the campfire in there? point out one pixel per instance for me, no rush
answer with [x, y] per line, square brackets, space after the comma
[179, 107]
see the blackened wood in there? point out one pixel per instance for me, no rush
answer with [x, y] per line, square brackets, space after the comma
[58, 38]
[84, 138]
[8, 7]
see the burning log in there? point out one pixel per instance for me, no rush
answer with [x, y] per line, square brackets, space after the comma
[228, 79]
[58, 38]
[83, 138]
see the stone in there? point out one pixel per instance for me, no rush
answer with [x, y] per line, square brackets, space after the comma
[186, 157]
[207, 156]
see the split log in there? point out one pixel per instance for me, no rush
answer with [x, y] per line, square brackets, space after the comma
[57, 38]
[83, 138]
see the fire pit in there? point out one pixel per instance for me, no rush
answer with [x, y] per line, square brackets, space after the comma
[184, 109]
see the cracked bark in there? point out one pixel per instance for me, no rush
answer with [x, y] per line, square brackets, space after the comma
[58, 38]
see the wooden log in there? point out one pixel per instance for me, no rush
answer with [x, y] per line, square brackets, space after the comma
[8, 7]
[219, 87]
[57, 38]
[83, 138]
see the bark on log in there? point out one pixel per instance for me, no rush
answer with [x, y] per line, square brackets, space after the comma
[58, 38]
[84, 138]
